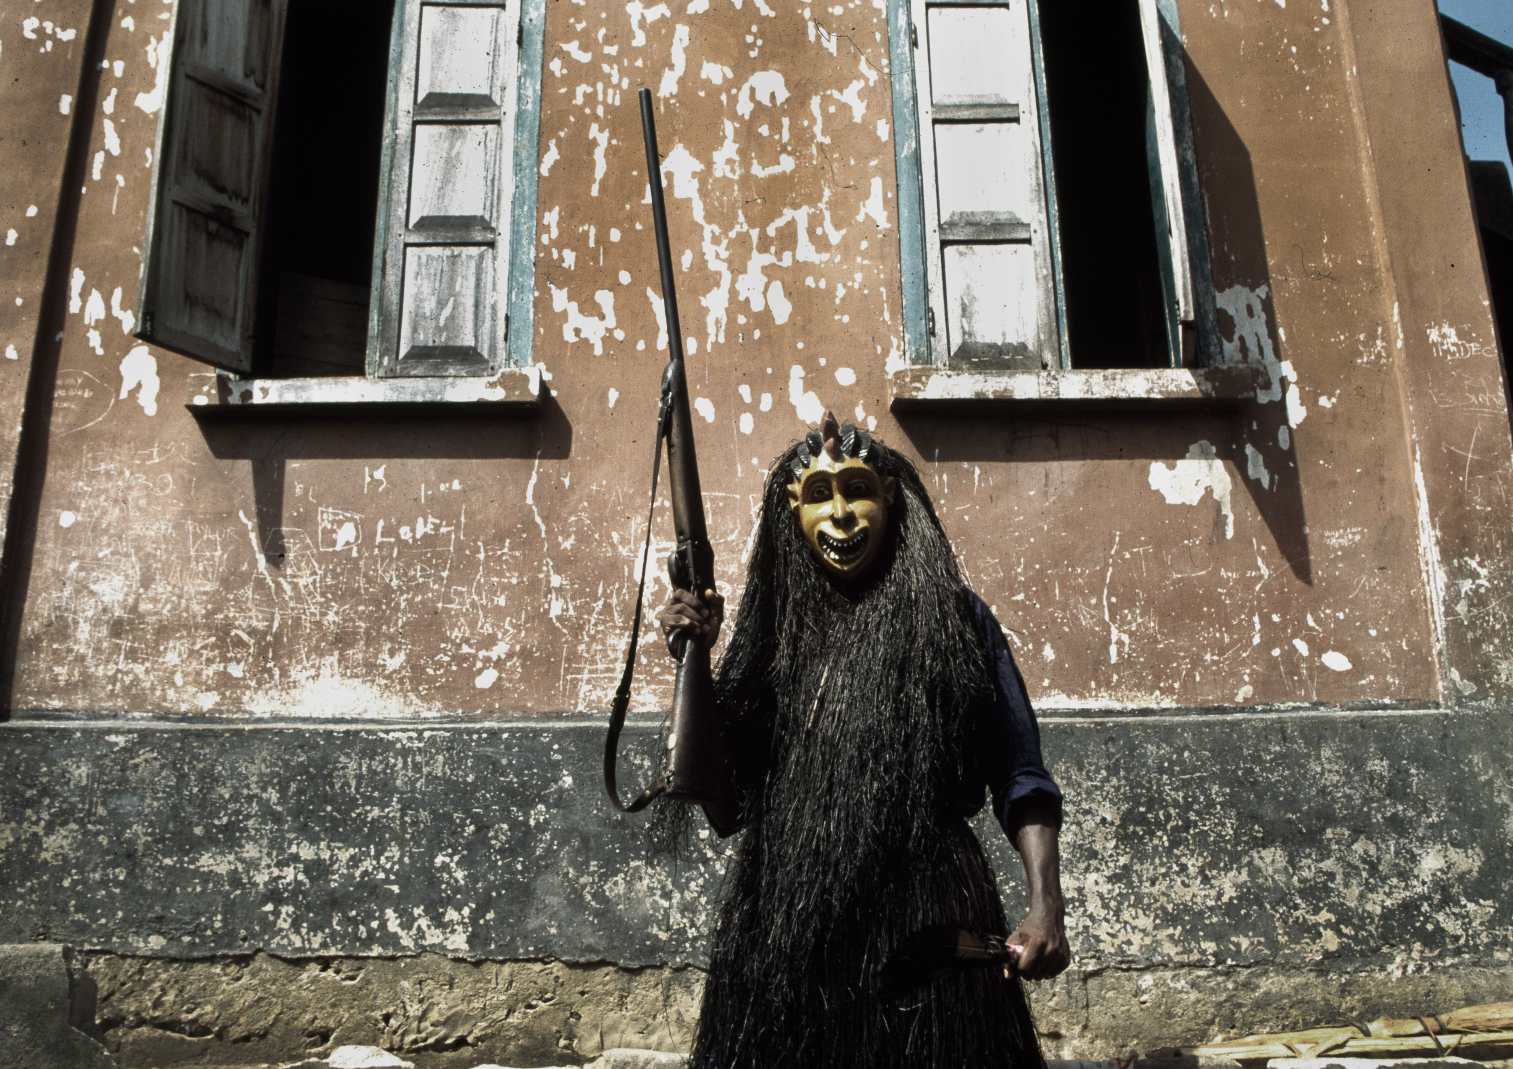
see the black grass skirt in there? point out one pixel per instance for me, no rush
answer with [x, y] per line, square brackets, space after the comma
[821, 1006]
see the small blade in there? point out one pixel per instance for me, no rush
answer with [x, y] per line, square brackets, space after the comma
[937, 950]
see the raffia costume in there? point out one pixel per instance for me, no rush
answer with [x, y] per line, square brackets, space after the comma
[872, 721]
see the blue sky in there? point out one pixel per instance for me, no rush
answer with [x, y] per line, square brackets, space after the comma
[1480, 106]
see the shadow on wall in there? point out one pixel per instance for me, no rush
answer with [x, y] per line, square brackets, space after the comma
[1255, 443]
[42, 378]
[463, 432]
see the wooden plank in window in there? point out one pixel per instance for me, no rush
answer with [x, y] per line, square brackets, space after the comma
[993, 307]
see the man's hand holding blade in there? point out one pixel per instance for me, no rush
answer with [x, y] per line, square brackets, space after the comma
[695, 615]
[1040, 939]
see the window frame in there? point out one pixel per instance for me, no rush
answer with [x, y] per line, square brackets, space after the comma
[920, 378]
[516, 383]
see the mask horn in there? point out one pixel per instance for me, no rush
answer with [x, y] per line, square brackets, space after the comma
[830, 432]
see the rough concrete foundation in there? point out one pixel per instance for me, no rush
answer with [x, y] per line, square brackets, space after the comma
[445, 1014]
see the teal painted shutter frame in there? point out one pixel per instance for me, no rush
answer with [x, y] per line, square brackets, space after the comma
[210, 197]
[520, 326]
[448, 193]
[1177, 203]
[1048, 166]
[912, 251]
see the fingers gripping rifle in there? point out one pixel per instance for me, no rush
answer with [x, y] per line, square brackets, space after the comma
[697, 765]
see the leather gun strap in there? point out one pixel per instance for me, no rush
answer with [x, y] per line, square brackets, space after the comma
[622, 693]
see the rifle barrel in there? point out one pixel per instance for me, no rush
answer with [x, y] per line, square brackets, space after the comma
[695, 569]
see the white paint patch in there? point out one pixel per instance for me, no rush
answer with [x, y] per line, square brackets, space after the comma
[806, 403]
[576, 326]
[778, 302]
[660, 311]
[715, 73]
[67, 519]
[31, 211]
[139, 371]
[94, 308]
[1336, 661]
[671, 76]
[65, 104]
[125, 316]
[1200, 472]
[614, 395]
[641, 15]
[550, 157]
[157, 59]
[872, 208]
[1255, 466]
[845, 376]
[11, 354]
[346, 535]
[486, 678]
[765, 87]
[1301, 646]
[11, 236]
[765, 403]
[600, 139]
[747, 424]
[112, 139]
[704, 407]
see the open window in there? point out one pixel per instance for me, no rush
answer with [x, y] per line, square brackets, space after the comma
[1059, 218]
[348, 215]
[1481, 70]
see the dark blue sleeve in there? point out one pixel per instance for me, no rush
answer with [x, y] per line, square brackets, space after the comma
[1009, 737]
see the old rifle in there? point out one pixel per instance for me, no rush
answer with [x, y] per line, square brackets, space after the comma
[696, 765]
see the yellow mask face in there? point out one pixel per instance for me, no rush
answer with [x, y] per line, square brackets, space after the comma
[842, 508]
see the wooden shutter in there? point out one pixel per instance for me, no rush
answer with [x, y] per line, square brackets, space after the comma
[199, 289]
[441, 283]
[1168, 152]
[987, 235]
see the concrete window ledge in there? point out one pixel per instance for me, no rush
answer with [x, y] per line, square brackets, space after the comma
[1133, 388]
[514, 391]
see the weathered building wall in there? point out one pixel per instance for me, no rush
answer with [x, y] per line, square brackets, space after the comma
[299, 567]
[1340, 545]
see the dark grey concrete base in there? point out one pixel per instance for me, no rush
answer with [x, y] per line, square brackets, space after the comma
[1328, 839]
[39, 1005]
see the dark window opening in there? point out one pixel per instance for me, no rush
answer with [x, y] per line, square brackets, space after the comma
[1098, 96]
[328, 142]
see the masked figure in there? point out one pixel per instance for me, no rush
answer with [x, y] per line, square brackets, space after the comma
[876, 707]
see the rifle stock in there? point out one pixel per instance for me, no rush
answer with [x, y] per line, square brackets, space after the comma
[698, 767]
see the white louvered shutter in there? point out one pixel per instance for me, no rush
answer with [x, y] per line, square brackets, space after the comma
[199, 288]
[441, 296]
[987, 234]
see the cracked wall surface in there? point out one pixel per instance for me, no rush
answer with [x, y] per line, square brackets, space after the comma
[1342, 540]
